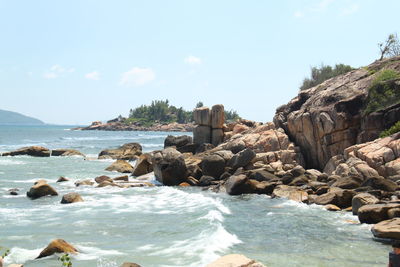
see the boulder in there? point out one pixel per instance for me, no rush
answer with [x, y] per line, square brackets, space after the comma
[169, 167]
[206, 180]
[289, 192]
[217, 136]
[381, 184]
[123, 178]
[57, 246]
[235, 260]
[242, 158]
[297, 171]
[202, 116]
[336, 196]
[177, 141]
[387, 229]
[66, 152]
[362, 199]
[375, 213]
[332, 207]
[263, 187]
[120, 166]
[71, 198]
[102, 178]
[213, 165]
[130, 264]
[238, 184]
[13, 191]
[128, 151]
[62, 179]
[84, 182]
[41, 189]
[217, 117]
[262, 175]
[202, 134]
[35, 151]
[143, 165]
[348, 182]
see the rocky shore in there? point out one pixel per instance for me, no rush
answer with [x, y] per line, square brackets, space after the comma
[121, 126]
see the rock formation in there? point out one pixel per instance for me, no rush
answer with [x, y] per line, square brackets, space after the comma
[129, 151]
[57, 246]
[41, 189]
[210, 125]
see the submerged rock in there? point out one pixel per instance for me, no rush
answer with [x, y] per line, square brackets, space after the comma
[35, 151]
[235, 260]
[130, 264]
[57, 246]
[41, 189]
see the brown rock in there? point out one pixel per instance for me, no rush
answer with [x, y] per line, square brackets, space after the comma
[213, 165]
[143, 165]
[201, 134]
[84, 182]
[202, 116]
[62, 179]
[124, 178]
[235, 260]
[339, 197]
[130, 264]
[169, 167]
[375, 213]
[41, 189]
[387, 229]
[102, 178]
[71, 198]
[57, 246]
[128, 151]
[217, 136]
[289, 192]
[332, 207]
[35, 151]
[362, 199]
[120, 166]
[238, 184]
[66, 152]
[217, 117]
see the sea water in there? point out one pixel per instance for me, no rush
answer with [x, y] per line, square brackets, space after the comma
[159, 226]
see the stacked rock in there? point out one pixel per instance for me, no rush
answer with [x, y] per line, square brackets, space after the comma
[209, 125]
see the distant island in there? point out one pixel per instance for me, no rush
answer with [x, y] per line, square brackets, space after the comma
[15, 118]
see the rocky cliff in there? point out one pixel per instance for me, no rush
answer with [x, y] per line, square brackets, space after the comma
[326, 119]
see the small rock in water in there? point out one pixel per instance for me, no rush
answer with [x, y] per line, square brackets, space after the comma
[120, 166]
[41, 189]
[84, 182]
[13, 191]
[71, 198]
[332, 207]
[235, 260]
[130, 264]
[62, 179]
[102, 178]
[57, 246]
[124, 178]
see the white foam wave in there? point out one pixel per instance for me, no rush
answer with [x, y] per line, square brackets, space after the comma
[213, 215]
[93, 253]
[20, 255]
[8, 161]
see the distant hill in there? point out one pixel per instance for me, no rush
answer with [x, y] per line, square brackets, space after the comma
[14, 118]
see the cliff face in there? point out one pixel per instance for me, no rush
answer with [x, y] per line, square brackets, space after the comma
[326, 119]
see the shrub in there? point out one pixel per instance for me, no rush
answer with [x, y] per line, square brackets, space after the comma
[384, 91]
[323, 73]
[392, 130]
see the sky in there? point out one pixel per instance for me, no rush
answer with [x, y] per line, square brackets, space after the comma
[77, 61]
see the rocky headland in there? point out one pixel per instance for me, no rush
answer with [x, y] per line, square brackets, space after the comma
[122, 126]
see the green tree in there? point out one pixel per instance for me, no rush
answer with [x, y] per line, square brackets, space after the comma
[199, 104]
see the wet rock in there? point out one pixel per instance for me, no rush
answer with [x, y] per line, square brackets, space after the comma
[238, 184]
[66, 152]
[84, 182]
[387, 229]
[206, 180]
[332, 207]
[362, 199]
[263, 187]
[242, 158]
[130, 264]
[297, 171]
[57, 246]
[235, 260]
[124, 178]
[13, 191]
[35, 151]
[62, 179]
[41, 189]
[108, 183]
[102, 178]
[120, 166]
[177, 141]
[71, 198]
[143, 165]
[375, 213]
[169, 167]
[128, 151]
[289, 192]
[213, 165]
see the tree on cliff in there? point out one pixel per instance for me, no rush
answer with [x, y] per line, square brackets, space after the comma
[391, 47]
[323, 73]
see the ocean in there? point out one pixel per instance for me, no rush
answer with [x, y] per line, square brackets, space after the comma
[159, 226]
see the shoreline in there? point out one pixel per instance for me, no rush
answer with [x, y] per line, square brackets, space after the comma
[119, 126]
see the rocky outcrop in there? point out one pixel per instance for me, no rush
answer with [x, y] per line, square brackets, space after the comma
[130, 151]
[66, 152]
[143, 165]
[35, 151]
[177, 141]
[169, 167]
[41, 189]
[210, 124]
[71, 198]
[137, 126]
[120, 166]
[57, 246]
[362, 199]
[235, 260]
[376, 213]
[328, 118]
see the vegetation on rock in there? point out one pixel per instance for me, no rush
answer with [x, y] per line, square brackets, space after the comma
[66, 260]
[392, 130]
[391, 47]
[323, 73]
[384, 91]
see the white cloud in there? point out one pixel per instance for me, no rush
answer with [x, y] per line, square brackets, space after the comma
[137, 77]
[350, 9]
[192, 60]
[94, 75]
[57, 70]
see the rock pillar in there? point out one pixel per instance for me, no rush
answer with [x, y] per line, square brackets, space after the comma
[209, 125]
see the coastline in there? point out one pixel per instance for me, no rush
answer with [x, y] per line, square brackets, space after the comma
[119, 126]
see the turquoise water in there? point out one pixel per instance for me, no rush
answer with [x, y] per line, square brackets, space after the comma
[159, 226]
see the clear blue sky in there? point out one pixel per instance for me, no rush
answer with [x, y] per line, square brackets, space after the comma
[76, 61]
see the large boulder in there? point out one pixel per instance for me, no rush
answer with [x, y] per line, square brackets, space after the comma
[242, 158]
[289, 192]
[213, 165]
[387, 229]
[202, 134]
[128, 151]
[35, 151]
[41, 189]
[66, 152]
[71, 198]
[362, 199]
[177, 141]
[238, 184]
[217, 116]
[202, 116]
[57, 246]
[347, 182]
[375, 213]
[169, 167]
[120, 166]
[381, 184]
[336, 196]
[235, 260]
[143, 165]
[217, 136]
